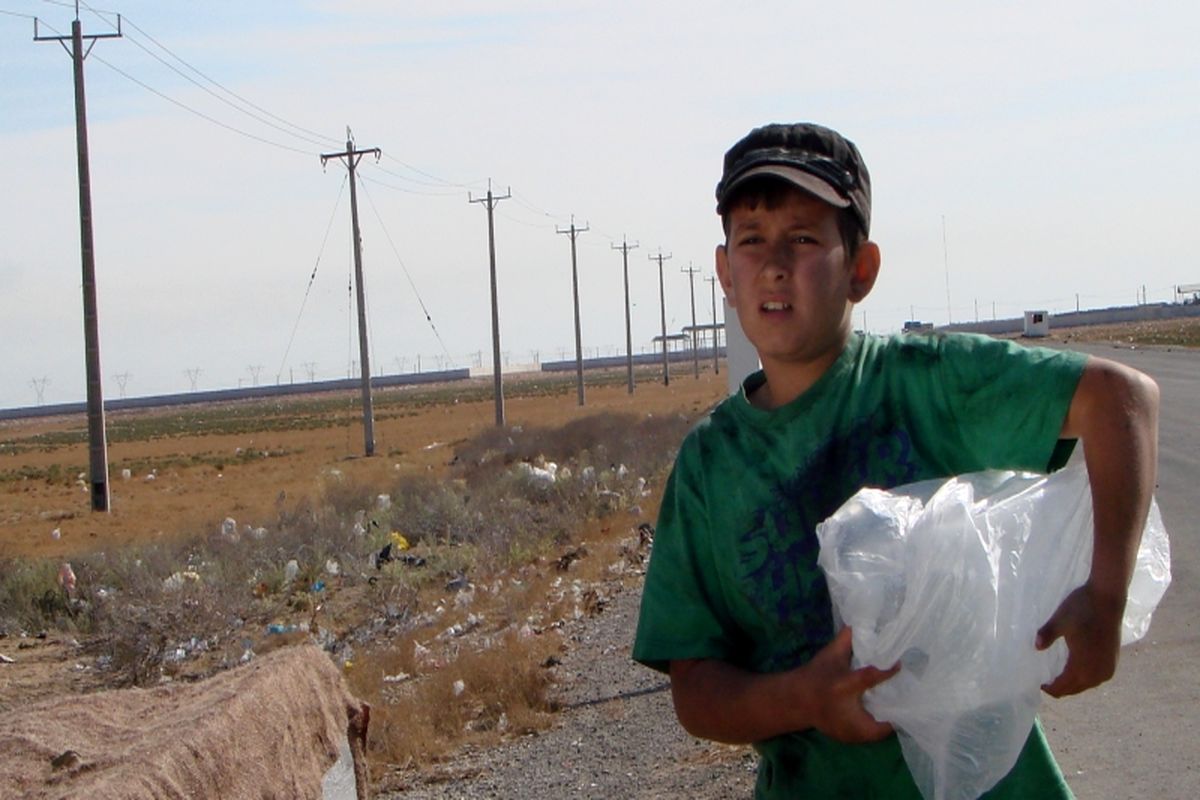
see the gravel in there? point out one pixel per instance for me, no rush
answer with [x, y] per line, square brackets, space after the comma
[616, 735]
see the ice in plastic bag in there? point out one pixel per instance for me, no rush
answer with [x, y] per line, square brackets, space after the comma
[953, 579]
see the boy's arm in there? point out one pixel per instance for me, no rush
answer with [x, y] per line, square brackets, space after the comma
[719, 701]
[1115, 412]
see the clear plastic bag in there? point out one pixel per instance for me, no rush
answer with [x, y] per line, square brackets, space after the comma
[952, 579]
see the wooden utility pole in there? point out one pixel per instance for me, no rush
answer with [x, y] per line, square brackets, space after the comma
[490, 202]
[574, 231]
[352, 157]
[716, 343]
[625, 247]
[97, 436]
[662, 304]
[691, 273]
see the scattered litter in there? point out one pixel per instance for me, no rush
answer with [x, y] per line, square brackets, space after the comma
[383, 502]
[538, 476]
[56, 534]
[258, 533]
[126, 474]
[388, 554]
[153, 474]
[229, 529]
[457, 583]
[175, 581]
[291, 570]
[279, 628]
[317, 587]
[459, 687]
[398, 540]
[66, 578]
[399, 677]
[570, 557]
[332, 567]
[432, 445]
[6, 660]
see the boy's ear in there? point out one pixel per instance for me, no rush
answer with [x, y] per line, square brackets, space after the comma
[864, 271]
[722, 259]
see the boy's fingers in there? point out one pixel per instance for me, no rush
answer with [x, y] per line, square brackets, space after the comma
[1047, 634]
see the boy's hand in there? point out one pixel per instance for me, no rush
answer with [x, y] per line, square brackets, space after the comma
[838, 711]
[1091, 624]
[719, 701]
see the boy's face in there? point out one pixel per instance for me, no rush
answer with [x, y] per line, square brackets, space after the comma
[784, 269]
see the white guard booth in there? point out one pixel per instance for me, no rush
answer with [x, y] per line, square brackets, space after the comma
[1037, 323]
[741, 358]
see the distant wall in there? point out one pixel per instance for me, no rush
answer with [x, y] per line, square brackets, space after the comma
[244, 393]
[639, 360]
[1073, 319]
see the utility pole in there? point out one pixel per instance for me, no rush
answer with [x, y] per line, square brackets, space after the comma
[352, 157]
[497, 384]
[712, 279]
[574, 231]
[946, 261]
[97, 437]
[662, 303]
[691, 273]
[625, 247]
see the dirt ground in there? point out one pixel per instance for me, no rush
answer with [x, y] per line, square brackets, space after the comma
[189, 499]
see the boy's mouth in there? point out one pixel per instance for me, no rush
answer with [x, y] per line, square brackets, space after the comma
[776, 305]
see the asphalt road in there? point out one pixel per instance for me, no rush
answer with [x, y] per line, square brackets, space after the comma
[1138, 736]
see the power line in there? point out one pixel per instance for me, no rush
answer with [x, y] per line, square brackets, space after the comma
[311, 279]
[407, 275]
[201, 114]
[320, 138]
[316, 139]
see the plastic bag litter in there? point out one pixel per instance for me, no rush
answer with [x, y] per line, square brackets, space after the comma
[953, 579]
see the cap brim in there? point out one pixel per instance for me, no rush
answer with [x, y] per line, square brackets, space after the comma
[798, 177]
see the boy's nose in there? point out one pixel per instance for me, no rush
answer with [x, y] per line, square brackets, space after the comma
[779, 261]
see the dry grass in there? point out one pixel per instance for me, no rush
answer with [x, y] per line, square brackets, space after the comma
[451, 644]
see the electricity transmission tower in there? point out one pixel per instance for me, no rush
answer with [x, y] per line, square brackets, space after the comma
[662, 302]
[97, 436]
[39, 388]
[691, 273]
[490, 202]
[574, 231]
[193, 376]
[352, 157]
[712, 280]
[625, 247]
[122, 379]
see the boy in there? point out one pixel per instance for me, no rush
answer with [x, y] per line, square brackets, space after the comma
[735, 608]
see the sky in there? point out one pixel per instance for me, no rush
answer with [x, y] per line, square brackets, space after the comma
[1023, 155]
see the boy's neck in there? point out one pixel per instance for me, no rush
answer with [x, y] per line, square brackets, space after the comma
[787, 380]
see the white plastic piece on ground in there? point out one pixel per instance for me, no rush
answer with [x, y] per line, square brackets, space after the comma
[952, 580]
